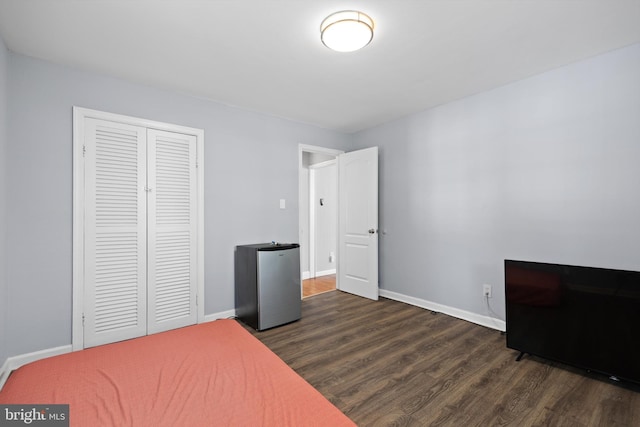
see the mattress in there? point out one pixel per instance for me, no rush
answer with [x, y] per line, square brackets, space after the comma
[212, 374]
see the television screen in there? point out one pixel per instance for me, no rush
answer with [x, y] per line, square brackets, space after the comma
[583, 316]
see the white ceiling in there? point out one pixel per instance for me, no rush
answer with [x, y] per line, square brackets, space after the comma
[267, 56]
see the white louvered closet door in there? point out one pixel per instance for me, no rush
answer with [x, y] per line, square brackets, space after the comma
[172, 198]
[115, 232]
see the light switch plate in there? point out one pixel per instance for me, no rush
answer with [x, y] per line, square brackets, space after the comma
[282, 203]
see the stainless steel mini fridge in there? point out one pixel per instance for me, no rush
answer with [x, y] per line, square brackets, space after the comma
[267, 284]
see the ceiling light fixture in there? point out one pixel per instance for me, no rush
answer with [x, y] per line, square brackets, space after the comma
[346, 31]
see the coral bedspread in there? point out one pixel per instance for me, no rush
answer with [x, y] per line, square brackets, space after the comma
[213, 374]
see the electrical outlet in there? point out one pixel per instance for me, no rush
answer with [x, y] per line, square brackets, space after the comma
[486, 291]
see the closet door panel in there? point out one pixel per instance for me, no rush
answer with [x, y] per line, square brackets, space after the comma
[172, 199]
[115, 232]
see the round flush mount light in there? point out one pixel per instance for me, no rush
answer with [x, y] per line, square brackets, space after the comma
[346, 31]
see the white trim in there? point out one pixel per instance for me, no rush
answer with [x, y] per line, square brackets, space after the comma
[478, 319]
[325, 272]
[14, 362]
[77, 335]
[312, 222]
[200, 224]
[323, 164]
[136, 121]
[220, 315]
[4, 373]
[79, 116]
[307, 275]
[317, 149]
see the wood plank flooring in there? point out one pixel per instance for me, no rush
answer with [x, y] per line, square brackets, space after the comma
[318, 285]
[385, 363]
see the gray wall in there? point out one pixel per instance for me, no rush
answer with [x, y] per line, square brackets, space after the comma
[3, 203]
[544, 169]
[304, 221]
[251, 161]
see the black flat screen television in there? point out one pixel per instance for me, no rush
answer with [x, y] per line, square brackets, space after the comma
[581, 316]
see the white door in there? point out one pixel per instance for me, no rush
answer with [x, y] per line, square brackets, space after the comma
[115, 233]
[172, 238]
[358, 222]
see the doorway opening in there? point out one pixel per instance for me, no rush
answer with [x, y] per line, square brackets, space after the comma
[355, 181]
[318, 215]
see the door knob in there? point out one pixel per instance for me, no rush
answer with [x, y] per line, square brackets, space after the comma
[372, 231]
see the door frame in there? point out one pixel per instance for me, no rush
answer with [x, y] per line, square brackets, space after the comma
[304, 148]
[79, 116]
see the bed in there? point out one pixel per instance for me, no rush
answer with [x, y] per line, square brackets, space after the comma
[212, 374]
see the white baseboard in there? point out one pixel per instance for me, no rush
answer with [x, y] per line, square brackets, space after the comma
[478, 319]
[325, 272]
[4, 373]
[307, 275]
[220, 315]
[14, 362]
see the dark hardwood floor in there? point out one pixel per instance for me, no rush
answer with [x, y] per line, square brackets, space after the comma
[386, 363]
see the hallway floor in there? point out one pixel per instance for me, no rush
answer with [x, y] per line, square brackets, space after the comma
[318, 285]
